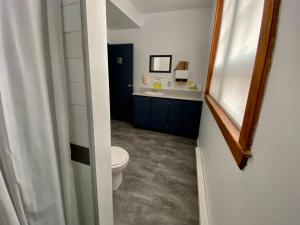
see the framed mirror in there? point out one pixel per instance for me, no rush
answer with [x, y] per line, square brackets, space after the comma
[240, 60]
[160, 63]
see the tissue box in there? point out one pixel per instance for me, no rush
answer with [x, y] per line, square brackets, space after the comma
[181, 75]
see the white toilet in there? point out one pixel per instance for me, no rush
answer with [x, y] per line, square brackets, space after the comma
[119, 161]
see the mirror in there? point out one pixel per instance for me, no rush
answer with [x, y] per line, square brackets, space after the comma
[160, 63]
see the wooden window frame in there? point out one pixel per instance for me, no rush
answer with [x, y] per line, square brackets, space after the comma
[240, 140]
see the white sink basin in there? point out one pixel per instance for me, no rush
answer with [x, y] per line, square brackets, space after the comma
[156, 93]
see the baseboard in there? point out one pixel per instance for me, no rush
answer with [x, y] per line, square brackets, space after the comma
[203, 210]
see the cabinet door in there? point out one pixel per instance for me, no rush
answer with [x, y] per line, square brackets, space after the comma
[159, 114]
[175, 120]
[141, 111]
[191, 118]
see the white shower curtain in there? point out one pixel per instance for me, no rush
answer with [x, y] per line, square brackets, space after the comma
[36, 177]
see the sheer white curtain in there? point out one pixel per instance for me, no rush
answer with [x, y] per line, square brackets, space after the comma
[239, 35]
[36, 179]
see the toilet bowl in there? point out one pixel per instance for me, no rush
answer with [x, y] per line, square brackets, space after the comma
[119, 161]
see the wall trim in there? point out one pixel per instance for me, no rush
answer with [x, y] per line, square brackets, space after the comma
[203, 209]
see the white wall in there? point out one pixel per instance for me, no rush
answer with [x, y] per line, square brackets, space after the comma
[79, 133]
[84, 193]
[75, 73]
[183, 34]
[266, 192]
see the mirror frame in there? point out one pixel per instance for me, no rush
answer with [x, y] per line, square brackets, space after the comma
[160, 71]
[240, 140]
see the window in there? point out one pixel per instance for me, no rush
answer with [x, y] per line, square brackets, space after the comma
[240, 59]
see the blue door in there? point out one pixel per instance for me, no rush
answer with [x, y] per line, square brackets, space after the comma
[120, 62]
[159, 114]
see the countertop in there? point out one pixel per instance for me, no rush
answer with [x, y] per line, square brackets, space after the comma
[171, 94]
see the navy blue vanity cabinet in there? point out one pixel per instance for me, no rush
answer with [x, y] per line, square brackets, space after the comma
[141, 111]
[181, 117]
[175, 118]
[159, 114]
[191, 118]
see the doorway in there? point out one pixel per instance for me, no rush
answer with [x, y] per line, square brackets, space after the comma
[120, 62]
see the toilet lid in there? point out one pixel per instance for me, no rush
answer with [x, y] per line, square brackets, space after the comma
[118, 155]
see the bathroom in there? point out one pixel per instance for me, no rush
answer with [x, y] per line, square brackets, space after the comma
[129, 112]
[143, 162]
[155, 113]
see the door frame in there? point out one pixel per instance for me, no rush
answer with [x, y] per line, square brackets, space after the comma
[94, 33]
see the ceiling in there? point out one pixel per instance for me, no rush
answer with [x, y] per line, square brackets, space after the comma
[153, 6]
[116, 19]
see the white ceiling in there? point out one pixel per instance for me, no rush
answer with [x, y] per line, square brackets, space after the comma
[116, 19]
[153, 6]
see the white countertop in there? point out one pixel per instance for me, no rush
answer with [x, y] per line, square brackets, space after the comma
[171, 94]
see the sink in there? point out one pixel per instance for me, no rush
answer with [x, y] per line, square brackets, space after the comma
[156, 93]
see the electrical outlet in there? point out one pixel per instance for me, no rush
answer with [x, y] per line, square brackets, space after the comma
[169, 84]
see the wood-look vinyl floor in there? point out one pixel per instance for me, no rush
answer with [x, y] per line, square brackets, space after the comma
[160, 181]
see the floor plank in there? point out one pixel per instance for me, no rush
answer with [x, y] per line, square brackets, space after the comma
[160, 181]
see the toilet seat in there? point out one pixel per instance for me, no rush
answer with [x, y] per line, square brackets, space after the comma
[118, 156]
